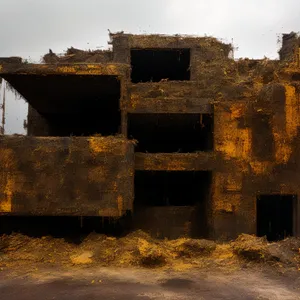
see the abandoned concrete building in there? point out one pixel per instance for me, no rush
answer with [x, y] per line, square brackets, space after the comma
[170, 128]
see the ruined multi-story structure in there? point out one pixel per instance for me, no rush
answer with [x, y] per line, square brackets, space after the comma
[171, 128]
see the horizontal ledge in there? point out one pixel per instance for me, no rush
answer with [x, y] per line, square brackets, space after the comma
[200, 161]
[69, 212]
[64, 69]
[162, 83]
[171, 105]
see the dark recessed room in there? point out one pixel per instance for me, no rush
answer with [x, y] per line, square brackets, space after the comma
[275, 216]
[176, 189]
[170, 133]
[73, 104]
[154, 65]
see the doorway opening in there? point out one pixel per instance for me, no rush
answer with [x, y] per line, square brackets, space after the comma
[176, 190]
[275, 216]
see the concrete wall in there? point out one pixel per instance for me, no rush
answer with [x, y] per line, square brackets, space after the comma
[66, 176]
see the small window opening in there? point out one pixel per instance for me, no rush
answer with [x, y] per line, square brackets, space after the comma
[160, 64]
[176, 189]
[170, 133]
[275, 216]
[72, 104]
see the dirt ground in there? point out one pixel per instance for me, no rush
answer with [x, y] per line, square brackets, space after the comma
[137, 266]
[137, 283]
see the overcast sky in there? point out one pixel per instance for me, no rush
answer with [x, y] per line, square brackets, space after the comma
[28, 28]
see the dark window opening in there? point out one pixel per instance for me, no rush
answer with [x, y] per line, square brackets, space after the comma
[72, 104]
[170, 133]
[262, 137]
[175, 189]
[158, 64]
[171, 188]
[275, 216]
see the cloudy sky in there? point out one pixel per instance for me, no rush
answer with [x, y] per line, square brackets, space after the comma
[28, 28]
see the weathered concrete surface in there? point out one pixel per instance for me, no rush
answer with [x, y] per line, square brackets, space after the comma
[210, 48]
[74, 55]
[168, 97]
[271, 123]
[176, 161]
[66, 176]
[9, 68]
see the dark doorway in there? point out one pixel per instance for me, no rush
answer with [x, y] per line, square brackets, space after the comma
[171, 192]
[170, 133]
[275, 216]
[157, 64]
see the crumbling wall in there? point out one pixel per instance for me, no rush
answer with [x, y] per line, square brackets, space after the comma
[167, 97]
[289, 48]
[66, 176]
[74, 55]
[248, 172]
[122, 43]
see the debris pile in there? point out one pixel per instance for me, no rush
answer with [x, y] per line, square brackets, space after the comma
[74, 55]
[250, 247]
[258, 249]
[140, 249]
[191, 247]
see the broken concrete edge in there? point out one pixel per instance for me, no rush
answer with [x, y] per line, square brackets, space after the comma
[120, 39]
[289, 47]
[11, 60]
[166, 41]
[114, 69]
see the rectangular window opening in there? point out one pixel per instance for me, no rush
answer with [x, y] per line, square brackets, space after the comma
[155, 65]
[275, 216]
[176, 189]
[170, 133]
[72, 104]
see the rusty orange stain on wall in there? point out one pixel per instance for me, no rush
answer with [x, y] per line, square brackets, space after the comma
[232, 141]
[291, 111]
[7, 179]
[120, 204]
[6, 202]
[223, 201]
